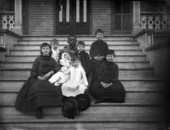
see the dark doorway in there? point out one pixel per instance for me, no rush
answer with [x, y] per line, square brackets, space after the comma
[73, 17]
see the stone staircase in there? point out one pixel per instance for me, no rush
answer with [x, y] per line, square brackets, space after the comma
[144, 109]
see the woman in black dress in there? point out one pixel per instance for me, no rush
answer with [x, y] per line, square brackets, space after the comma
[37, 91]
[105, 84]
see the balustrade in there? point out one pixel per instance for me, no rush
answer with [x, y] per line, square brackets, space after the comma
[7, 20]
[154, 21]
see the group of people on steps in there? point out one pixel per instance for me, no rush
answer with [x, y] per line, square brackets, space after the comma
[71, 78]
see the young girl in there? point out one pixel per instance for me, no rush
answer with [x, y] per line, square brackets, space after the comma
[77, 83]
[37, 92]
[106, 87]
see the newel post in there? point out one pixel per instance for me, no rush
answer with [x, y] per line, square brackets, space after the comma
[18, 17]
[136, 17]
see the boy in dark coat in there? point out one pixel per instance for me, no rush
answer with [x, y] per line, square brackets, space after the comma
[105, 86]
[83, 56]
[71, 48]
[99, 47]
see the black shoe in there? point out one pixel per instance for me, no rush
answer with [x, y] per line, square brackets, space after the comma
[39, 114]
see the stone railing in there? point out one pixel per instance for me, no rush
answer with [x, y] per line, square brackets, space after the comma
[155, 21]
[153, 38]
[7, 20]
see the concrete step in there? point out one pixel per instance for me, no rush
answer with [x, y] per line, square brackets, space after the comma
[130, 85]
[124, 65]
[50, 123]
[117, 52]
[91, 38]
[94, 110]
[87, 118]
[118, 58]
[113, 47]
[132, 97]
[122, 72]
[87, 42]
[121, 78]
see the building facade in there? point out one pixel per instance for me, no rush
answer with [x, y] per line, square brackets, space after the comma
[83, 17]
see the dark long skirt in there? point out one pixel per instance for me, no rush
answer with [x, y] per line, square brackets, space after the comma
[36, 93]
[114, 93]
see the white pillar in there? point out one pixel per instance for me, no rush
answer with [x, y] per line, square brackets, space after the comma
[68, 11]
[18, 17]
[84, 10]
[136, 16]
[61, 14]
[77, 10]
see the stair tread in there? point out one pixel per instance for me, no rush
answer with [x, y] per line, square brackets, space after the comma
[125, 104]
[28, 68]
[24, 62]
[137, 55]
[37, 50]
[29, 43]
[121, 65]
[86, 118]
[82, 37]
[133, 78]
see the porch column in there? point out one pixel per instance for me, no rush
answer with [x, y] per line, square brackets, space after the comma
[136, 16]
[18, 17]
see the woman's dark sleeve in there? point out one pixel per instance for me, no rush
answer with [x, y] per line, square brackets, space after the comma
[92, 51]
[56, 66]
[34, 70]
[88, 66]
[106, 48]
[115, 72]
[101, 71]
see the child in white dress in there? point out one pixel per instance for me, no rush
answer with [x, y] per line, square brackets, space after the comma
[63, 74]
[55, 49]
[77, 82]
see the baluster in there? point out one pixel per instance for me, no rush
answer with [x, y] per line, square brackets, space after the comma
[150, 22]
[157, 23]
[164, 22]
[143, 22]
[4, 22]
[11, 22]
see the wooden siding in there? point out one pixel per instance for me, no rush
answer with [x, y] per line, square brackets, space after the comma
[40, 17]
[2, 5]
[6, 5]
[101, 16]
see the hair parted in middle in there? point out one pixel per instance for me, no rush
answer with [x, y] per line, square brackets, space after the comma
[43, 45]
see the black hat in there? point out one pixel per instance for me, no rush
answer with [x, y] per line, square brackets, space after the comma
[83, 101]
[70, 108]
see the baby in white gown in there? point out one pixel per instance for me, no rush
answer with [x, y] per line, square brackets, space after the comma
[62, 75]
[77, 82]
